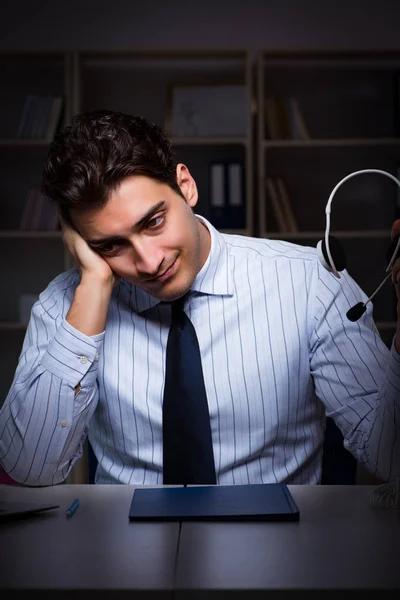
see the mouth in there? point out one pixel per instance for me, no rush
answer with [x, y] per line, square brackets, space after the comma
[166, 274]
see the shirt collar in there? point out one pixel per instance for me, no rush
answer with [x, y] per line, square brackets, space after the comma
[214, 278]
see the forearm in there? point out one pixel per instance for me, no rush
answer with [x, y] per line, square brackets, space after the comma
[42, 422]
[357, 377]
[376, 440]
[43, 429]
[88, 311]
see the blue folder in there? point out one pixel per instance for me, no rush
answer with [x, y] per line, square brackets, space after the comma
[257, 502]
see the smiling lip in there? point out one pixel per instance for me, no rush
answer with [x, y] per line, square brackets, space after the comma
[166, 275]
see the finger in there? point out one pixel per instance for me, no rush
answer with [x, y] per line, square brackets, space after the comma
[396, 272]
[395, 243]
[395, 229]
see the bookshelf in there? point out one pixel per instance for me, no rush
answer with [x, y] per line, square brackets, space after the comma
[87, 81]
[322, 115]
[32, 84]
[143, 83]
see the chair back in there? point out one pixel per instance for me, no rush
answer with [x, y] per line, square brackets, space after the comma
[339, 467]
[92, 463]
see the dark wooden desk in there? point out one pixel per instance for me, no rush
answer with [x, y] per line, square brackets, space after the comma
[339, 544]
[96, 549]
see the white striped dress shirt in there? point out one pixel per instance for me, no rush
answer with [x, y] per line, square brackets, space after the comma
[277, 351]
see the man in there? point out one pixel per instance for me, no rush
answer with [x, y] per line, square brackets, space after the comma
[277, 351]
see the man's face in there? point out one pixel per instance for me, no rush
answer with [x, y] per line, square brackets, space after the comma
[149, 235]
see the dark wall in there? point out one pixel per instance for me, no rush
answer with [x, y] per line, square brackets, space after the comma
[251, 24]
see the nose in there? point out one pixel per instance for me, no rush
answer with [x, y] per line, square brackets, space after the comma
[148, 258]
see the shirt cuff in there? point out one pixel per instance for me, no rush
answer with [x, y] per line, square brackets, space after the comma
[71, 355]
[393, 370]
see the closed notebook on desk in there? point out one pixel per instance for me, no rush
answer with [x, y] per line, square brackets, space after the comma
[259, 502]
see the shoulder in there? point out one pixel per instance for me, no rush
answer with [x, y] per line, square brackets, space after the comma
[269, 250]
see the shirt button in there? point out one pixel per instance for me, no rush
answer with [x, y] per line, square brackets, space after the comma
[64, 423]
[83, 360]
[96, 357]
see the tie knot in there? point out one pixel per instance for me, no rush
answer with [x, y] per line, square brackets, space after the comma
[178, 304]
[178, 316]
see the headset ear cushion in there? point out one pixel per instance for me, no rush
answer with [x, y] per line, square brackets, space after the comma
[391, 249]
[337, 253]
[321, 256]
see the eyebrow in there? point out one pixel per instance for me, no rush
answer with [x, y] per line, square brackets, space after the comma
[146, 217]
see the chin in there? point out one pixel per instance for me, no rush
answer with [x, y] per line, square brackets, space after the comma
[170, 296]
[170, 293]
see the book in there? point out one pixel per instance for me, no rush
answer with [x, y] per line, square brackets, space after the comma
[217, 179]
[277, 208]
[227, 194]
[235, 184]
[28, 210]
[54, 118]
[273, 131]
[40, 117]
[256, 502]
[35, 223]
[25, 117]
[290, 219]
[280, 202]
[304, 133]
[39, 214]
[396, 104]
[284, 119]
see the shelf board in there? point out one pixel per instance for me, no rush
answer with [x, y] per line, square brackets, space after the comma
[12, 326]
[385, 325]
[185, 60]
[10, 142]
[209, 141]
[331, 143]
[16, 233]
[318, 235]
[343, 60]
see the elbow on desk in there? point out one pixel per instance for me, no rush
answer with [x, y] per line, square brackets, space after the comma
[49, 475]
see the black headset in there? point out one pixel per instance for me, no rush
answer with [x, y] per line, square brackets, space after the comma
[332, 256]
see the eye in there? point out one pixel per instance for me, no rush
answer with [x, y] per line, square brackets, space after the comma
[155, 222]
[108, 249]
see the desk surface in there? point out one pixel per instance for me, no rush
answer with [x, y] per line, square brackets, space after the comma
[96, 549]
[340, 543]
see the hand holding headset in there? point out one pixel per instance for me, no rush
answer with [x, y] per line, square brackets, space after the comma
[332, 256]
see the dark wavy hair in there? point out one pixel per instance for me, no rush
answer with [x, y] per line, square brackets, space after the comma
[90, 158]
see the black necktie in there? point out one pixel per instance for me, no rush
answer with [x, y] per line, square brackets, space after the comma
[187, 446]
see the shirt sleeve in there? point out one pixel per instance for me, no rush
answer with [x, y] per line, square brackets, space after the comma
[43, 422]
[355, 375]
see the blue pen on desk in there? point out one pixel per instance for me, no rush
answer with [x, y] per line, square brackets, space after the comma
[71, 509]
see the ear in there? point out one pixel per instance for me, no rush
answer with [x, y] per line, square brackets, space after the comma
[187, 184]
